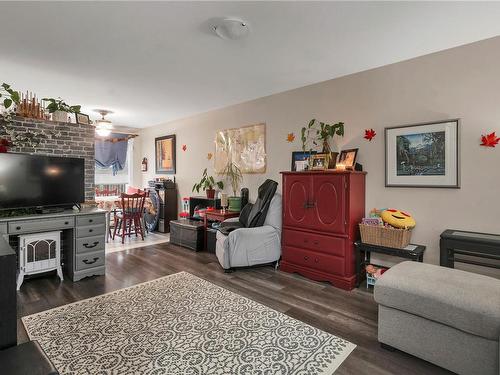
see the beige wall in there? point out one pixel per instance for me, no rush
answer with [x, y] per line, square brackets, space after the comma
[460, 83]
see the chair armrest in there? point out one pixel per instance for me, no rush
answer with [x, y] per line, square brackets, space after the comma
[232, 220]
[254, 235]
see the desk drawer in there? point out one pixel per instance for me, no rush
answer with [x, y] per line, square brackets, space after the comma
[89, 260]
[40, 225]
[90, 231]
[3, 228]
[317, 242]
[312, 259]
[90, 244]
[90, 220]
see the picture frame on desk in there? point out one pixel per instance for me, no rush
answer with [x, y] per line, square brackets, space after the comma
[300, 156]
[347, 159]
[82, 118]
[320, 162]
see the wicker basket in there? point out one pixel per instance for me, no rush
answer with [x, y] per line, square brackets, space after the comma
[383, 236]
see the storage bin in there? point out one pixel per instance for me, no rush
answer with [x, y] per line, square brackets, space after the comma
[384, 236]
[187, 233]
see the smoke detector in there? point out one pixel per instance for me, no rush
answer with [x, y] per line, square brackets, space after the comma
[230, 28]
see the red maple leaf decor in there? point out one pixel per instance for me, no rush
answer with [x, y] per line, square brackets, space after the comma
[184, 147]
[489, 140]
[370, 134]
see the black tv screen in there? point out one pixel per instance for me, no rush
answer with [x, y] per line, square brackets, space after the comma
[40, 181]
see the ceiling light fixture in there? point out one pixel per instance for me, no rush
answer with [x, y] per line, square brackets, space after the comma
[103, 127]
[230, 28]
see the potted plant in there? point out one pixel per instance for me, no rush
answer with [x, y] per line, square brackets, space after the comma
[59, 109]
[208, 183]
[233, 174]
[317, 132]
[9, 96]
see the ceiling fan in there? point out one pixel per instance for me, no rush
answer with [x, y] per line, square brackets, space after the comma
[103, 126]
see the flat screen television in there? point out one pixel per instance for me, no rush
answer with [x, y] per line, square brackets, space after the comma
[28, 181]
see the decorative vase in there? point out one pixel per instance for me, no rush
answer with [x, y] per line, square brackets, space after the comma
[210, 193]
[234, 204]
[60, 116]
[332, 160]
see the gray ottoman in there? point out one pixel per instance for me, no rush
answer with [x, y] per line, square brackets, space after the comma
[442, 315]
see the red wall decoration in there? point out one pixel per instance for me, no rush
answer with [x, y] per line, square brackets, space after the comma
[489, 140]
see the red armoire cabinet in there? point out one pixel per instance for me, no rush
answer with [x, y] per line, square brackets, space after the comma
[321, 213]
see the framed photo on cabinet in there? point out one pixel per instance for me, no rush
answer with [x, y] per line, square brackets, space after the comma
[423, 155]
[300, 157]
[165, 154]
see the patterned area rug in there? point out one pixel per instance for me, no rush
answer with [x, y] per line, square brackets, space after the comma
[181, 324]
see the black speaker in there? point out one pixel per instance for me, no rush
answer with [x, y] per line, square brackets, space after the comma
[244, 197]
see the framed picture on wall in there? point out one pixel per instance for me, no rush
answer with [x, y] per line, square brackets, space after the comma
[423, 155]
[165, 154]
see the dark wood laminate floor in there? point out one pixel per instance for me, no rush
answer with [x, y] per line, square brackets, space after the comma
[350, 315]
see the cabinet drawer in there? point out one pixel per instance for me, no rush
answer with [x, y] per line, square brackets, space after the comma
[317, 242]
[89, 260]
[90, 220]
[3, 228]
[90, 231]
[312, 259]
[40, 225]
[90, 244]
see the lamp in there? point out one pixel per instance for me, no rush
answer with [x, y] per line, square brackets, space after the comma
[103, 127]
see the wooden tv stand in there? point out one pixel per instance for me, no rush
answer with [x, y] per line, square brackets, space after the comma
[83, 237]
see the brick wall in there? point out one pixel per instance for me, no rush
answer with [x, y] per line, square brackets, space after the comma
[75, 141]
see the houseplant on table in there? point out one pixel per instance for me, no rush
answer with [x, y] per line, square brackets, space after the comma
[317, 132]
[208, 183]
[232, 173]
[59, 109]
[8, 97]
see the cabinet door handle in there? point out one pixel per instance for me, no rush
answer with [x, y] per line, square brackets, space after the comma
[91, 246]
[86, 261]
[306, 258]
[66, 222]
[91, 230]
[91, 220]
[316, 260]
[18, 228]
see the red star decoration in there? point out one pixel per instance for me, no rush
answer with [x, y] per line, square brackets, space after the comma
[489, 140]
[370, 134]
[184, 147]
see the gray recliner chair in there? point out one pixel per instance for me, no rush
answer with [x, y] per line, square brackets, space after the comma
[243, 247]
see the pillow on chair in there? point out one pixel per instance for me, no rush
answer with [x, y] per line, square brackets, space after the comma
[133, 190]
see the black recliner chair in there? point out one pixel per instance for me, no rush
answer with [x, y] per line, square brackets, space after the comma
[253, 214]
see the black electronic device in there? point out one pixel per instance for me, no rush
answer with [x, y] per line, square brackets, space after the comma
[28, 181]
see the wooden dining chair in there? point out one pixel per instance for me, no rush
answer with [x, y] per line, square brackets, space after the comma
[129, 216]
